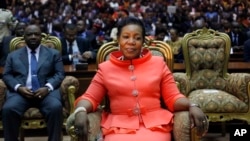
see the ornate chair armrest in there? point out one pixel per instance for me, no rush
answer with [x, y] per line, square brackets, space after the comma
[183, 82]
[182, 130]
[69, 87]
[3, 89]
[94, 126]
[239, 85]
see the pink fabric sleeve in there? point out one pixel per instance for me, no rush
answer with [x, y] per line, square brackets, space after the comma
[170, 91]
[95, 92]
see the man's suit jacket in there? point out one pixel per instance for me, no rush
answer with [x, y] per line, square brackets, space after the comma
[247, 51]
[241, 39]
[50, 68]
[54, 33]
[83, 45]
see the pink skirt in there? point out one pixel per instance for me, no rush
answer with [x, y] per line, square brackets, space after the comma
[142, 134]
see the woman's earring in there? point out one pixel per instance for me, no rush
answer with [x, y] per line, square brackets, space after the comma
[119, 47]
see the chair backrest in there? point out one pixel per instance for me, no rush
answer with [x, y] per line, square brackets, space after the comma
[157, 48]
[47, 40]
[206, 55]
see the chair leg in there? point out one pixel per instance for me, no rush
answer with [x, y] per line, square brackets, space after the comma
[194, 137]
[62, 136]
[223, 128]
[21, 134]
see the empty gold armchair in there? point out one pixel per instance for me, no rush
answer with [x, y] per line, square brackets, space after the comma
[222, 96]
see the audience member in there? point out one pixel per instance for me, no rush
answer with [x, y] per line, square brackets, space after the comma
[57, 29]
[81, 28]
[4, 51]
[95, 34]
[247, 50]
[237, 36]
[161, 32]
[175, 41]
[33, 85]
[7, 23]
[73, 45]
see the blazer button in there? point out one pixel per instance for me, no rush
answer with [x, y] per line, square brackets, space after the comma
[135, 93]
[133, 78]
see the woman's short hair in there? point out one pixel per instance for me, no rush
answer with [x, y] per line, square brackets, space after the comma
[130, 20]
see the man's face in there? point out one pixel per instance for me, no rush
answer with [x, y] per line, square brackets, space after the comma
[32, 36]
[80, 26]
[20, 29]
[70, 35]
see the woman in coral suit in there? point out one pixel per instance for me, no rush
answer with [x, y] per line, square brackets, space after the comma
[134, 82]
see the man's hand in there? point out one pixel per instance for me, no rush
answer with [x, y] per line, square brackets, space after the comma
[86, 55]
[24, 91]
[41, 92]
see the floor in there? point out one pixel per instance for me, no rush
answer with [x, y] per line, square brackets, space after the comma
[214, 134]
[215, 137]
[208, 137]
[65, 138]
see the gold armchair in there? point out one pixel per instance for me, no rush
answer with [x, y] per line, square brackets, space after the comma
[181, 130]
[47, 40]
[222, 96]
[33, 119]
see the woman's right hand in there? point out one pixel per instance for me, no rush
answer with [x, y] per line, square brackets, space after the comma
[81, 125]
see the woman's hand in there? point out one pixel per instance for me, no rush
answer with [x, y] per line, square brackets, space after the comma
[198, 120]
[81, 125]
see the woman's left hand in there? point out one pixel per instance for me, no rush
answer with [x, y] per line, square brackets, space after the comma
[198, 120]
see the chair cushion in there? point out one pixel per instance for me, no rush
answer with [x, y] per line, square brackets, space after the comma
[207, 79]
[217, 101]
[34, 113]
[207, 54]
[2, 93]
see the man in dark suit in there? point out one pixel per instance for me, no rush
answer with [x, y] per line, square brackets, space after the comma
[4, 51]
[57, 28]
[33, 87]
[237, 36]
[247, 51]
[72, 45]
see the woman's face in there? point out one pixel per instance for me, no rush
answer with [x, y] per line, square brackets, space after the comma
[130, 41]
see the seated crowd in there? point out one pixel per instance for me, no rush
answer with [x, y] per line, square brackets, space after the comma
[86, 25]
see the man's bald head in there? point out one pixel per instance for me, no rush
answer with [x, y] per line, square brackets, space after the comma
[33, 36]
